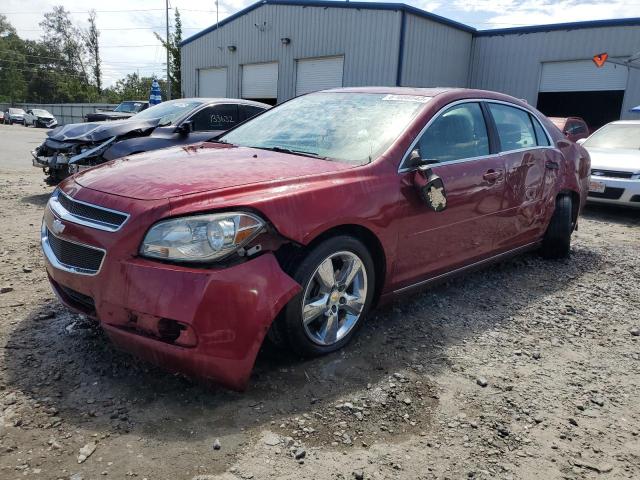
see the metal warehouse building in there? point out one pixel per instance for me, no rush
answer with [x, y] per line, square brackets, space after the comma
[274, 50]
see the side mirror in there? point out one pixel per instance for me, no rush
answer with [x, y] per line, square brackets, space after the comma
[416, 160]
[430, 188]
[185, 128]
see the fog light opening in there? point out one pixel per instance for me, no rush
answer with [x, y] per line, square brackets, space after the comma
[172, 331]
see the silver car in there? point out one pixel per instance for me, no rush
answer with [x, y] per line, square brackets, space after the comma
[615, 164]
[38, 117]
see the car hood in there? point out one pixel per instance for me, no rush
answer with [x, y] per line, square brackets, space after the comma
[179, 171]
[98, 131]
[617, 160]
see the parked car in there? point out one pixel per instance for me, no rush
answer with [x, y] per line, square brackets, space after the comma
[72, 147]
[13, 115]
[615, 164]
[574, 128]
[121, 112]
[1, 116]
[300, 220]
[38, 117]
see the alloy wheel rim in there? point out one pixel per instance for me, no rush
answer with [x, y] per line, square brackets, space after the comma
[334, 298]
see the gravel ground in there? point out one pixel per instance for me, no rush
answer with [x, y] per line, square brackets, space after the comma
[529, 369]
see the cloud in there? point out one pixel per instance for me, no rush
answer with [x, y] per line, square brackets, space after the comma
[504, 13]
[124, 34]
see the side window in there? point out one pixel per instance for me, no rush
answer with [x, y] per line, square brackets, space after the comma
[458, 133]
[576, 128]
[541, 136]
[248, 111]
[514, 126]
[217, 117]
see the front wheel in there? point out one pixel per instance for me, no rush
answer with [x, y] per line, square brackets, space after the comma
[557, 238]
[338, 280]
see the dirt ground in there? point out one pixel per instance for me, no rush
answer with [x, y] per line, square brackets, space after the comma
[555, 344]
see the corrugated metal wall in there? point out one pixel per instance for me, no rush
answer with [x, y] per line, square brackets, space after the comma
[368, 39]
[436, 55]
[513, 63]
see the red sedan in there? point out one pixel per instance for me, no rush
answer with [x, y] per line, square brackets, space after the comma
[295, 223]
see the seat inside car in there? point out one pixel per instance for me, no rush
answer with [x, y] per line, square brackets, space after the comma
[452, 137]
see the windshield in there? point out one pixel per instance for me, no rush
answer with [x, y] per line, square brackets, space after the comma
[129, 107]
[354, 128]
[168, 112]
[41, 113]
[16, 111]
[616, 136]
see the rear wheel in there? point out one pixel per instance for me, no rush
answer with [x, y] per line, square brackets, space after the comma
[338, 280]
[557, 239]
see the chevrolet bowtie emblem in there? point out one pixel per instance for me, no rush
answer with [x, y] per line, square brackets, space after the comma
[57, 227]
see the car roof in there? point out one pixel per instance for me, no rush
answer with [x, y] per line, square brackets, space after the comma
[625, 122]
[240, 101]
[445, 93]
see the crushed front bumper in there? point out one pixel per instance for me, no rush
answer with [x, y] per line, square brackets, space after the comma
[220, 315]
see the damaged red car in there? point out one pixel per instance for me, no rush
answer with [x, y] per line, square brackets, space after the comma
[296, 223]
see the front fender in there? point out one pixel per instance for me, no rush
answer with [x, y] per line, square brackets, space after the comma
[130, 146]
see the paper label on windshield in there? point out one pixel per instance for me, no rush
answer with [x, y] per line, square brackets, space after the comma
[406, 98]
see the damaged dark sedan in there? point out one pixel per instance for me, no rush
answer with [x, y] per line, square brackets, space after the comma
[121, 112]
[71, 148]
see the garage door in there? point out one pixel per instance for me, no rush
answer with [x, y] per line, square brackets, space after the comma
[260, 80]
[212, 82]
[582, 76]
[313, 74]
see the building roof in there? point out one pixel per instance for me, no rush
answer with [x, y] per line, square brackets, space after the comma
[420, 13]
[616, 22]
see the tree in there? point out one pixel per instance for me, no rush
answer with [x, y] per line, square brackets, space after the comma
[62, 37]
[92, 37]
[133, 87]
[175, 58]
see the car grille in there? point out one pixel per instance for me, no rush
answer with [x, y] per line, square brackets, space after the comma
[610, 173]
[86, 214]
[75, 257]
[610, 193]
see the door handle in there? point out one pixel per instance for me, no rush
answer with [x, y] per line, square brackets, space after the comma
[492, 176]
[552, 165]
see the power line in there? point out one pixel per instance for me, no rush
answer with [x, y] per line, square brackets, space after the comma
[113, 11]
[59, 59]
[112, 29]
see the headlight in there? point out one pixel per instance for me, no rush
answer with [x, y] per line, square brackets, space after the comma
[201, 238]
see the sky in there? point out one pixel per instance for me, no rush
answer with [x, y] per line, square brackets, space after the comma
[128, 44]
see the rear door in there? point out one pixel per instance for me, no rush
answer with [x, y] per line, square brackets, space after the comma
[213, 120]
[430, 243]
[531, 168]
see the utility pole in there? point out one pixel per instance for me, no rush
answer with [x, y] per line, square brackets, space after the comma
[168, 54]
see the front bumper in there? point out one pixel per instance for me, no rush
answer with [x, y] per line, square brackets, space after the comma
[224, 312]
[47, 123]
[619, 191]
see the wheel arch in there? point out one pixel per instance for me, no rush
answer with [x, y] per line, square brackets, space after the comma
[575, 202]
[362, 233]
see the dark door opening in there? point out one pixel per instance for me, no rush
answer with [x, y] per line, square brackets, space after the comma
[268, 101]
[597, 108]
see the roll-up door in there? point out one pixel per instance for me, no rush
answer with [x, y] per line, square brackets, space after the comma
[582, 76]
[212, 82]
[313, 74]
[260, 81]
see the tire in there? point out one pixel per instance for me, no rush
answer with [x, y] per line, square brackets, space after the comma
[289, 329]
[557, 239]
[56, 176]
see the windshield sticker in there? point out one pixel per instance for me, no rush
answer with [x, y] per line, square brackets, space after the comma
[407, 98]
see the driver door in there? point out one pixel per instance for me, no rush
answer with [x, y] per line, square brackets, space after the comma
[458, 149]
